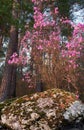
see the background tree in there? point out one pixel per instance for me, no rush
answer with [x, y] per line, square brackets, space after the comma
[9, 77]
[17, 21]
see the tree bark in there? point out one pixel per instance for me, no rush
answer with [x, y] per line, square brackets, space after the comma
[1, 38]
[8, 85]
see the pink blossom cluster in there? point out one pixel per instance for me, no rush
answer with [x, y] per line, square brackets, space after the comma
[17, 60]
[14, 59]
[73, 47]
[78, 30]
[42, 20]
[65, 21]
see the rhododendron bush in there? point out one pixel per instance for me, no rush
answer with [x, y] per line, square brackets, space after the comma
[42, 51]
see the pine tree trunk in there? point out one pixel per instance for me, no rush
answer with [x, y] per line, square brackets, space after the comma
[8, 85]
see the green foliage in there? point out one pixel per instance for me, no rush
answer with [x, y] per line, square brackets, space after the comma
[5, 15]
[26, 12]
[64, 8]
[23, 9]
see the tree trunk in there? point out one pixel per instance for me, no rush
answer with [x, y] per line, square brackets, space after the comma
[8, 85]
[1, 38]
[13, 83]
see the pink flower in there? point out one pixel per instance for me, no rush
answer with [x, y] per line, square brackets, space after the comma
[77, 96]
[40, 47]
[56, 10]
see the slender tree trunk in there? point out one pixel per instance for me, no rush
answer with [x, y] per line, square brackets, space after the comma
[8, 85]
[13, 84]
[1, 38]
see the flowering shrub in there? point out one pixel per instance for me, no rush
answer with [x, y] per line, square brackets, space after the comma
[50, 60]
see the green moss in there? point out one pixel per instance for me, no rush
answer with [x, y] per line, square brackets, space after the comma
[41, 104]
[5, 104]
[20, 100]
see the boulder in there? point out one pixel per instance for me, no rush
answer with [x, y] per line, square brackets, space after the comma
[47, 110]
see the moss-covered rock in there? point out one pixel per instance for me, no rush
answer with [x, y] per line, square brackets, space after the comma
[42, 111]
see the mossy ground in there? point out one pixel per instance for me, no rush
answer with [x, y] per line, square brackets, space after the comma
[39, 111]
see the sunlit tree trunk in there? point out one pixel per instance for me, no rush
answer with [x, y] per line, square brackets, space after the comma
[8, 85]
